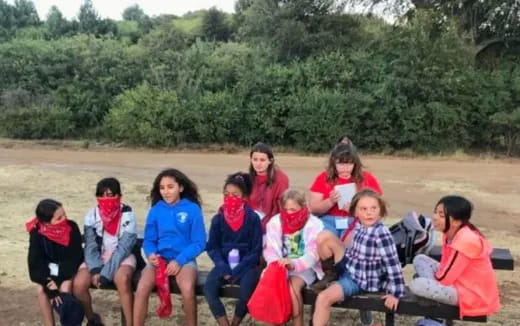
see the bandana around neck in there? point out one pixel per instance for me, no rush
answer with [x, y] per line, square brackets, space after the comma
[59, 232]
[292, 222]
[110, 211]
[234, 212]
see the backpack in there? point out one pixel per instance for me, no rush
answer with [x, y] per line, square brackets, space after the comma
[413, 235]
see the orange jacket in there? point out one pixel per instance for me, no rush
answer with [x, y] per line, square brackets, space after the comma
[466, 265]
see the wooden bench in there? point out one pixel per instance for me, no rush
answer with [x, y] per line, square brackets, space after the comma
[409, 305]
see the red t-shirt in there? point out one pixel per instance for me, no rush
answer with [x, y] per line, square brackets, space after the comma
[320, 185]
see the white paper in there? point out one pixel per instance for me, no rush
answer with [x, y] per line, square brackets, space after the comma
[346, 191]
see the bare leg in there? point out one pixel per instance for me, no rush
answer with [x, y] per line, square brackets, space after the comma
[223, 321]
[297, 285]
[80, 290]
[45, 307]
[123, 282]
[330, 246]
[144, 289]
[186, 279]
[324, 301]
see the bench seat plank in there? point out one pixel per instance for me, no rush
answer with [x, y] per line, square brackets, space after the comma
[501, 258]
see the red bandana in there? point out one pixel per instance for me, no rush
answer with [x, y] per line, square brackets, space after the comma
[110, 212]
[292, 222]
[234, 212]
[59, 232]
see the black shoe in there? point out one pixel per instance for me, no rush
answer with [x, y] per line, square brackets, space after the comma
[96, 321]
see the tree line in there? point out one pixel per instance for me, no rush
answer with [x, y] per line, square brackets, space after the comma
[295, 73]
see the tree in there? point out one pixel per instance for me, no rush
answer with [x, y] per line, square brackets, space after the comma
[56, 24]
[88, 18]
[134, 13]
[294, 28]
[487, 22]
[214, 26]
[25, 13]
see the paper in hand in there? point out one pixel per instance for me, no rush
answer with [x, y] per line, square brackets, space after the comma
[346, 191]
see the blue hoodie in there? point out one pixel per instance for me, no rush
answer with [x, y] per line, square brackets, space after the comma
[175, 232]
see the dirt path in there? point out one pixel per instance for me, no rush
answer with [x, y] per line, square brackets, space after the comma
[494, 186]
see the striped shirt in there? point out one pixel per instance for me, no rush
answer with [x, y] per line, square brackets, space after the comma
[373, 261]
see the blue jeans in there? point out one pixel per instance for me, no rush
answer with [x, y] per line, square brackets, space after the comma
[212, 287]
[329, 224]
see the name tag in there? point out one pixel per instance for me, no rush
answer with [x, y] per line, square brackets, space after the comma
[341, 223]
[54, 269]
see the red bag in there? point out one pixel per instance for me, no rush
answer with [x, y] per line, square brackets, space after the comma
[162, 282]
[271, 301]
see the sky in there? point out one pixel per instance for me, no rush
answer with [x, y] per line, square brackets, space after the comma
[114, 8]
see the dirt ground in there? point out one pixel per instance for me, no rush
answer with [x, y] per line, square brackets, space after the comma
[30, 172]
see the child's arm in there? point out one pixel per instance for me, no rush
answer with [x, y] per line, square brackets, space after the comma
[454, 267]
[38, 264]
[311, 257]
[92, 251]
[214, 247]
[251, 258]
[124, 247]
[388, 254]
[197, 237]
[273, 241]
[151, 234]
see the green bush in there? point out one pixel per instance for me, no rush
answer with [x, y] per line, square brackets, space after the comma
[37, 123]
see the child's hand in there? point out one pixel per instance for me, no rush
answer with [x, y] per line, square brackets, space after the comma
[56, 300]
[154, 259]
[173, 268]
[334, 197]
[95, 280]
[391, 302]
[51, 285]
[286, 262]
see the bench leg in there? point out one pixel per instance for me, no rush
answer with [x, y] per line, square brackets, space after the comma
[389, 319]
[123, 320]
[313, 308]
[449, 322]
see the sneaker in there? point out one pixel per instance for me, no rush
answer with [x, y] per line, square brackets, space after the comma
[96, 321]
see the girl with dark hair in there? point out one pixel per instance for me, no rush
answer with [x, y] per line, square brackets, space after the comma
[235, 246]
[269, 183]
[110, 234]
[464, 276]
[174, 232]
[55, 254]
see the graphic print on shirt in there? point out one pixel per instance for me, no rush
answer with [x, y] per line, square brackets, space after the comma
[182, 216]
[293, 245]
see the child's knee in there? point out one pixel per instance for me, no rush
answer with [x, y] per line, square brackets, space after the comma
[40, 291]
[417, 285]
[324, 299]
[419, 259]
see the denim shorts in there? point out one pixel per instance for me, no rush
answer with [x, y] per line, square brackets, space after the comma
[329, 224]
[191, 263]
[350, 288]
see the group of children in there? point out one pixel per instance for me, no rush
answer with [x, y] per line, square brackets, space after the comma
[338, 251]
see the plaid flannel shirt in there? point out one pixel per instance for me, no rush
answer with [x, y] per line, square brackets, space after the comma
[373, 261]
